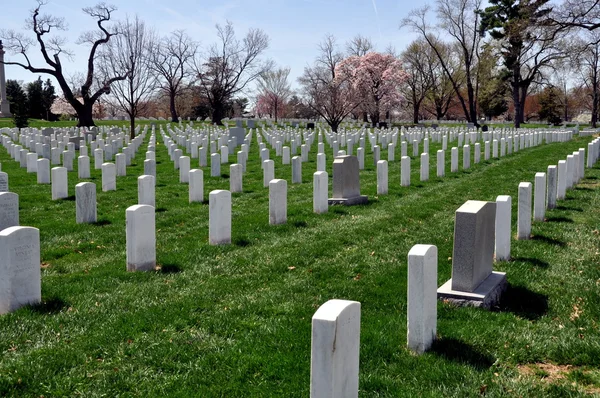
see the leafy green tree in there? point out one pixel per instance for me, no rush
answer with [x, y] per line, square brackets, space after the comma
[527, 44]
[18, 103]
[550, 107]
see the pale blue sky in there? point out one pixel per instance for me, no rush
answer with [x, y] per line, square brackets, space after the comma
[294, 27]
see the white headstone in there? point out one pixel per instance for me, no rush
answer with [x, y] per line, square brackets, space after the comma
[196, 193]
[83, 167]
[43, 171]
[422, 297]
[503, 227]
[382, 177]
[20, 272]
[59, 183]
[85, 203]
[296, 170]
[235, 178]
[215, 165]
[335, 348]
[278, 202]
[320, 192]
[9, 210]
[405, 171]
[539, 197]
[141, 238]
[219, 216]
[109, 177]
[147, 190]
[524, 214]
[268, 172]
[121, 164]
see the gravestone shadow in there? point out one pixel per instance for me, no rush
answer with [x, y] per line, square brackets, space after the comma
[533, 261]
[550, 241]
[458, 351]
[170, 269]
[560, 219]
[523, 302]
[49, 306]
[70, 198]
[160, 209]
[584, 189]
[102, 222]
[577, 209]
[242, 242]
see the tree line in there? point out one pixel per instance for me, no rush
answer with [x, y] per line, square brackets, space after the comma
[470, 63]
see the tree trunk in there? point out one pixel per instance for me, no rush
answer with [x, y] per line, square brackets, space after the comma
[516, 98]
[84, 114]
[375, 115]
[416, 106]
[174, 117]
[595, 98]
[334, 124]
[218, 112]
[132, 129]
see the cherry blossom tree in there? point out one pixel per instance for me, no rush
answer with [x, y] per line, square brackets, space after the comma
[376, 79]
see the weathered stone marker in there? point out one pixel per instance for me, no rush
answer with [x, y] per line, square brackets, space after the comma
[473, 281]
[9, 210]
[503, 227]
[320, 191]
[524, 212]
[346, 182]
[422, 297]
[147, 190]
[85, 203]
[335, 349]
[277, 202]
[20, 275]
[140, 234]
[219, 217]
[196, 193]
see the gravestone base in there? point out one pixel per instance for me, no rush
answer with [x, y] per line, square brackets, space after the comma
[486, 295]
[357, 200]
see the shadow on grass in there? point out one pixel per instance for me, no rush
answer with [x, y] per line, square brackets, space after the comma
[103, 222]
[300, 224]
[338, 209]
[161, 209]
[242, 242]
[170, 269]
[224, 175]
[461, 352]
[550, 241]
[584, 189]
[70, 198]
[591, 178]
[533, 261]
[523, 302]
[560, 219]
[49, 306]
[577, 209]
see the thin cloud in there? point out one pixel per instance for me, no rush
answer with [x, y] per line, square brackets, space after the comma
[377, 17]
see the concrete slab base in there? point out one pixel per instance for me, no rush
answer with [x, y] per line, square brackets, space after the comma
[486, 295]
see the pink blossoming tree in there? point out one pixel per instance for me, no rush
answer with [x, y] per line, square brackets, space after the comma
[376, 79]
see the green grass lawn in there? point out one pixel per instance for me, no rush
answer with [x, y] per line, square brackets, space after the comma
[235, 320]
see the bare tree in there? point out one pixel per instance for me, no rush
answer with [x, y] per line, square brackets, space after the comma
[584, 14]
[416, 63]
[274, 89]
[172, 57]
[131, 51]
[359, 46]
[442, 94]
[230, 66]
[53, 47]
[458, 20]
[325, 92]
[588, 63]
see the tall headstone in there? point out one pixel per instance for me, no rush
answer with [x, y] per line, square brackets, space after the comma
[278, 201]
[85, 203]
[539, 197]
[3, 182]
[140, 233]
[320, 191]
[219, 217]
[196, 193]
[4, 104]
[346, 182]
[473, 281]
[9, 210]
[235, 177]
[20, 273]
[109, 177]
[422, 297]
[524, 212]
[59, 183]
[147, 190]
[382, 177]
[335, 349]
[503, 227]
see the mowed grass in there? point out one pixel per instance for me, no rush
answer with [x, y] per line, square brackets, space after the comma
[229, 321]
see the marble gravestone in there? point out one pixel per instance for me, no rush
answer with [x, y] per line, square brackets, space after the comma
[473, 281]
[9, 210]
[239, 133]
[20, 275]
[3, 182]
[346, 182]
